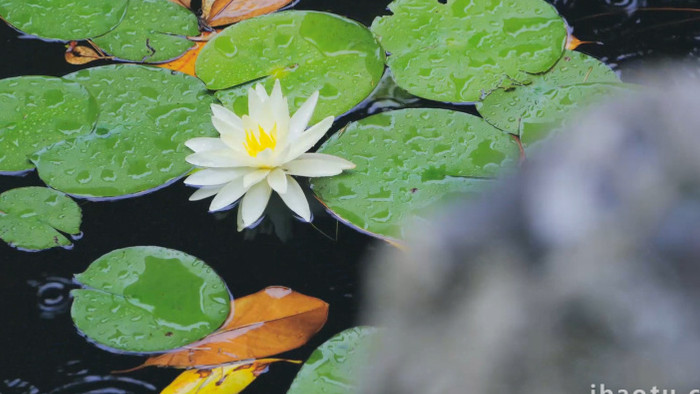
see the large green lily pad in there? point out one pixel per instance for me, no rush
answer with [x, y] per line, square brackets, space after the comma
[407, 160]
[146, 115]
[152, 31]
[35, 112]
[148, 299]
[574, 77]
[36, 218]
[456, 50]
[305, 50]
[333, 368]
[63, 19]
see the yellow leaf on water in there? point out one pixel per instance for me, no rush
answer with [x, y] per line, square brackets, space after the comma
[184, 3]
[225, 12]
[227, 379]
[185, 63]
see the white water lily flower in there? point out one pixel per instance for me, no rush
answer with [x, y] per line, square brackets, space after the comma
[259, 153]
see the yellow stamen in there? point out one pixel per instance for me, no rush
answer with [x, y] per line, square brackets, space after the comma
[256, 144]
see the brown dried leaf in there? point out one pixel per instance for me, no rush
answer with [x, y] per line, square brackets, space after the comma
[225, 12]
[184, 3]
[185, 63]
[271, 321]
[78, 54]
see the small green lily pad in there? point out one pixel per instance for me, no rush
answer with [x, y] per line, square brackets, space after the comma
[149, 299]
[63, 19]
[36, 111]
[407, 160]
[305, 50]
[146, 115]
[152, 31]
[333, 368]
[456, 50]
[575, 74]
[36, 218]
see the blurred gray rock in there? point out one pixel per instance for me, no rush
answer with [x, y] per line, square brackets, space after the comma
[584, 270]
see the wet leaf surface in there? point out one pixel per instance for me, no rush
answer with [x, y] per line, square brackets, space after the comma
[36, 218]
[303, 50]
[334, 366]
[148, 298]
[564, 86]
[460, 49]
[407, 160]
[225, 12]
[151, 31]
[37, 111]
[146, 115]
[226, 379]
[271, 321]
[63, 19]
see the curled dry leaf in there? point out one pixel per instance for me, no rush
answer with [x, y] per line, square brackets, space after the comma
[572, 42]
[184, 3]
[271, 321]
[225, 12]
[79, 54]
[185, 63]
[226, 379]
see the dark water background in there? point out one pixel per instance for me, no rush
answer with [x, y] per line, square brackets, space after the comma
[42, 352]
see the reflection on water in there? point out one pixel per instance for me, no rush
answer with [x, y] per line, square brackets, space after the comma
[53, 296]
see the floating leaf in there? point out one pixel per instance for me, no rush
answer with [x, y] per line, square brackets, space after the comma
[33, 218]
[268, 322]
[227, 379]
[81, 54]
[35, 112]
[508, 108]
[457, 49]
[147, 299]
[333, 367]
[406, 161]
[151, 31]
[63, 19]
[306, 51]
[185, 63]
[146, 115]
[226, 12]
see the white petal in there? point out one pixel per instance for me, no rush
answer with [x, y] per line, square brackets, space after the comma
[277, 180]
[255, 105]
[254, 203]
[254, 177]
[280, 112]
[301, 118]
[226, 130]
[317, 164]
[239, 220]
[200, 144]
[215, 176]
[228, 194]
[296, 200]
[226, 115]
[205, 192]
[309, 138]
[218, 158]
[262, 93]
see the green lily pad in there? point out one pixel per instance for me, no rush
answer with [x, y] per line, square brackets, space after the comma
[36, 218]
[456, 50]
[63, 19]
[305, 50]
[149, 299]
[35, 112]
[152, 31]
[333, 368]
[575, 74]
[407, 160]
[146, 115]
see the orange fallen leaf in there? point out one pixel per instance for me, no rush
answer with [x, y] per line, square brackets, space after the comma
[79, 54]
[572, 42]
[226, 379]
[184, 3]
[271, 321]
[185, 63]
[225, 12]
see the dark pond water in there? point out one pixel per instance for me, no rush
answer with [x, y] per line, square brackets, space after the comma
[43, 353]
